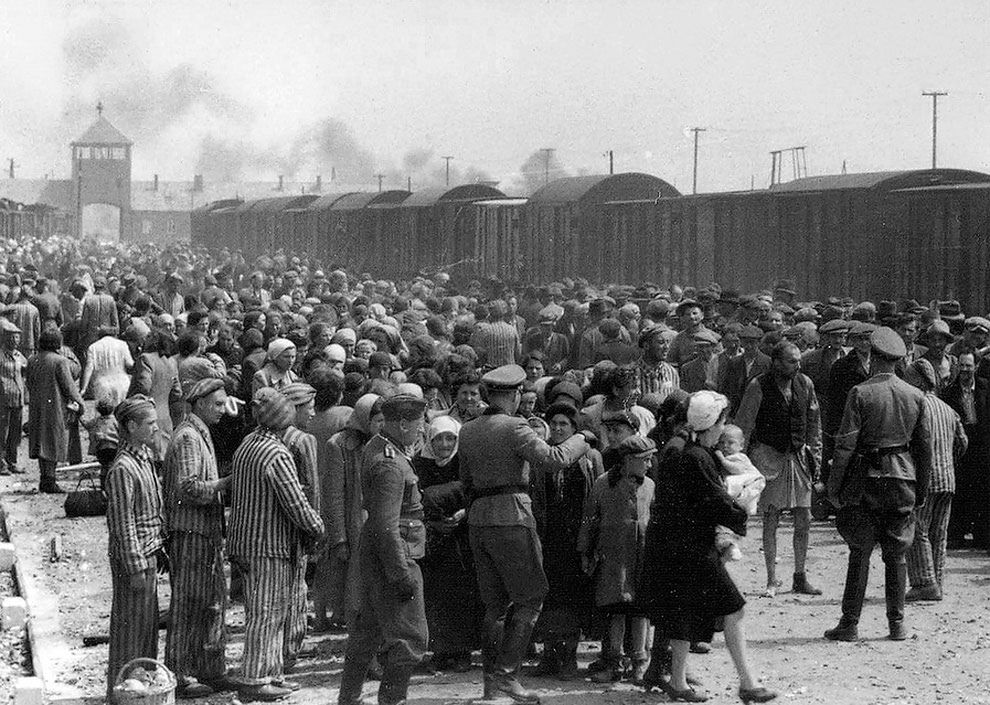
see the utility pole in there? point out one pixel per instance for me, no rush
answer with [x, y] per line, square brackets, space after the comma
[611, 162]
[934, 96]
[409, 184]
[447, 159]
[547, 151]
[379, 177]
[11, 168]
[694, 183]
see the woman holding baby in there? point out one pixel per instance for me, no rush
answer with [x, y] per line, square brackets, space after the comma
[686, 589]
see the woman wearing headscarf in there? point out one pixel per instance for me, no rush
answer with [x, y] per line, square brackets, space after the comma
[343, 510]
[692, 595]
[50, 386]
[277, 372]
[558, 506]
[136, 535]
[453, 606]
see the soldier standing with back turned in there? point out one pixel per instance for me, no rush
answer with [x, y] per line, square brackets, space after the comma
[496, 450]
[879, 474]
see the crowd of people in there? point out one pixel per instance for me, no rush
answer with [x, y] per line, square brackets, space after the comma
[441, 466]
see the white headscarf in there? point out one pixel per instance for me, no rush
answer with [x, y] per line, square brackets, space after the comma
[441, 424]
[704, 408]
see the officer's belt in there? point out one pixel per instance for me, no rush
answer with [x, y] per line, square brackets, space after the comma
[873, 455]
[500, 490]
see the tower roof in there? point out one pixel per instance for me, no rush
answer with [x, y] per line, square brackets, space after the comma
[102, 132]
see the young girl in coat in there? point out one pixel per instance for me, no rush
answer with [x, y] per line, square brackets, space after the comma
[611, 543]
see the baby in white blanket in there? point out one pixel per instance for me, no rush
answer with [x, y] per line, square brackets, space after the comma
[743, 482]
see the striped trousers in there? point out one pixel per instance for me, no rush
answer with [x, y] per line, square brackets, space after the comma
[926, 559]
[196, 643]
[295, 625]
[133, 619]
[267, 605]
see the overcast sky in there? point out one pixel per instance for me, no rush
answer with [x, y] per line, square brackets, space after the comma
[250, 89]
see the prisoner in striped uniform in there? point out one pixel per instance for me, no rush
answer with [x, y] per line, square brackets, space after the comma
[195, 648]
[135, 529]
[302, 445]
[271, 523]
[926, 557]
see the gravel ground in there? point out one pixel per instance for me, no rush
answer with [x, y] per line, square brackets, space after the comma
[15, 658]
[946, 661]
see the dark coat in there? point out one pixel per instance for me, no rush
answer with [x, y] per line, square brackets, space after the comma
[49, 382]
[978, 433]
[737, 378]
[845, 374]
[683, 575]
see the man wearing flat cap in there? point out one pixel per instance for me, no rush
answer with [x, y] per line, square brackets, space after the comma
[302, 445]
[817, 364]
[880, 472]
[701, 372]
[743, 368]
[13, 395]
[197, 639]
[846, 373]
[496, 452]
[271, 524]
[682, 347]
[391, 615]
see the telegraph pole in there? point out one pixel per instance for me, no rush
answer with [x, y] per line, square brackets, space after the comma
[547, 151]
[694, 184]
[934, 96]
[379, 177]
[11, 168]
[447, 159]
[611, 162]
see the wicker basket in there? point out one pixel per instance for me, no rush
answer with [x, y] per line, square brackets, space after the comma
[159, 695]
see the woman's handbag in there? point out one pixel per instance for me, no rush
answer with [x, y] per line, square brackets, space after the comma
[86, 502]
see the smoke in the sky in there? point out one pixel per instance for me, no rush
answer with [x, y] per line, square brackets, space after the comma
[533, 173]
[183, 122]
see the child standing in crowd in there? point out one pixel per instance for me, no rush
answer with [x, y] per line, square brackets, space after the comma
[744, 483]
[104, 435]
[611, 542]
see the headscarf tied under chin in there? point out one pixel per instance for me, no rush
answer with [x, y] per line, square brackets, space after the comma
[704, 409]
[441, 424]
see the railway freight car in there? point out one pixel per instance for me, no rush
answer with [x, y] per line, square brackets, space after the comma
[920, 233]
[566, 233]
[349, 229]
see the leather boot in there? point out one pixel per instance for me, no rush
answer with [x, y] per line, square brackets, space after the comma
[494, 633]
[395, 685]
[659, 667]
[895, 585]
[351, 681]
[567, 656]
[549, 664]
[518, 630]
[857, 577]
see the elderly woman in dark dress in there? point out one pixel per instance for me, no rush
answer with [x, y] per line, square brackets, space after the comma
[691, 595]
[453, 606]
[558, 506]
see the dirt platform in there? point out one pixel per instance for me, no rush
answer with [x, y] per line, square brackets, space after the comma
[945, 661]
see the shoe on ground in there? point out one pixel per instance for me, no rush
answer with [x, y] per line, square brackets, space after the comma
[898, 632]
[222, 684]
[801, 586]
[609, 675]
[287, 684]
[191, 688]
[508, 685]
[700, 647]
[758, 694]
[843, 632]
[928, 593]
[267, 693]
[599, 664]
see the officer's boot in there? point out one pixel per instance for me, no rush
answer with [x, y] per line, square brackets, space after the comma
[857, 576]
[518, 629]
[894, 587]
[567, 655]
[494, 633]
[395, 685]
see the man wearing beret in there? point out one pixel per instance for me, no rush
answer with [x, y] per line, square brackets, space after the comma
[391, 616]
[196, 643]
[880, 472]
[271, 523]
[496, 452]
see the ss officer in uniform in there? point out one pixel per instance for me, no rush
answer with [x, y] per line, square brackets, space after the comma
[496, 450]
[391, 618]
[879, 474]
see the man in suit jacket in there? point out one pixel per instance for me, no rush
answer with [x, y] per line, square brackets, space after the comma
[817, 364]
[846, 373]
[701, 371]
[969, 396]
[743, 368]
[98, 310]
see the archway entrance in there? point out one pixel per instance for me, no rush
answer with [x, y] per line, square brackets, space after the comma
[101, 222]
